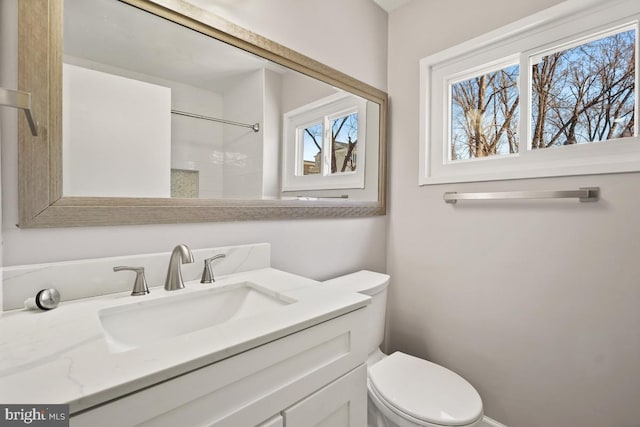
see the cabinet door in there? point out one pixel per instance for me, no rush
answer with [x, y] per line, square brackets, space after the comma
[276, 421]
[342, 403]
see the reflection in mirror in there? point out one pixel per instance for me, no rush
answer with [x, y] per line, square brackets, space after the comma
[165, 94]
[155, 109]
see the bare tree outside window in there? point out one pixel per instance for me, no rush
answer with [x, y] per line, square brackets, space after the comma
[578, 95]
[312, 149]
[344, 140]
[485, 114]
[585, 94]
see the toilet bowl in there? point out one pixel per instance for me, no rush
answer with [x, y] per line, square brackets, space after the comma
[403, 390]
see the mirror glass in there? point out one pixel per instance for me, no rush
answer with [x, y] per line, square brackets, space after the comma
[152, 109]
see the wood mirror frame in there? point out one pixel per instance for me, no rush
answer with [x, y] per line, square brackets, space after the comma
[41, 203]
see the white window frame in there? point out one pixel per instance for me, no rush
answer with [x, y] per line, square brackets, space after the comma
[557, 28]
[322, 111]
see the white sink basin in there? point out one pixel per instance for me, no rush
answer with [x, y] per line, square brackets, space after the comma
[134, 325]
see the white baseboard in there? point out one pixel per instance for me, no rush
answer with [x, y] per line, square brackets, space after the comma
[488, 422]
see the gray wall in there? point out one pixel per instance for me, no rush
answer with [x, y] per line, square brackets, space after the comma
[535, 303]
[314, 248]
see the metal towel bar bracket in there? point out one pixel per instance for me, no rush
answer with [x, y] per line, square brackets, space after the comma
[585, 194]
[21, 100]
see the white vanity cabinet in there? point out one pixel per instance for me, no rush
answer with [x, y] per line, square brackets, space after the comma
[314, 377]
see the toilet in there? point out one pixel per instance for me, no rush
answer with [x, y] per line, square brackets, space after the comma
[403, 390]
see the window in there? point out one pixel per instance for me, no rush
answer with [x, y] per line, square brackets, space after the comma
[324, 144]
[484, 115]
[584, 93]
[557, 98]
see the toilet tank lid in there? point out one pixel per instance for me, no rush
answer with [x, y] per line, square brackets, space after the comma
[364, 282]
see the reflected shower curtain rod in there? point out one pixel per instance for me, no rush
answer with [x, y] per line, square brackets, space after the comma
[255, 126]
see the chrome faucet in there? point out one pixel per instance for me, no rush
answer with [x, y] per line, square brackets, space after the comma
[181, 255]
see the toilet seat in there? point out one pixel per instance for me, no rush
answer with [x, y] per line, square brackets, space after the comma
[423, 392]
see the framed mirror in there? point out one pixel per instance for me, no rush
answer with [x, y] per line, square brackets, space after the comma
[160, 112]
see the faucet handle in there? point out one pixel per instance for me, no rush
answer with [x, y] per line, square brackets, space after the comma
[207, 273]
[140, 285]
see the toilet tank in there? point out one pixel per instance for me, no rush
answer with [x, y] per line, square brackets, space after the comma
[374, 285]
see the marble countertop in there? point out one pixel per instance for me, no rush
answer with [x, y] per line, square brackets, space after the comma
[62, 356]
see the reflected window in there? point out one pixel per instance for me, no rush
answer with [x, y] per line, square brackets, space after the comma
[344, 143]
[311, 139]
[324, 144]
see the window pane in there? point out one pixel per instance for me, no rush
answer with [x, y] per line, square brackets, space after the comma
[585, 94]
[312, 149]
[485, 114]
[344, 140]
